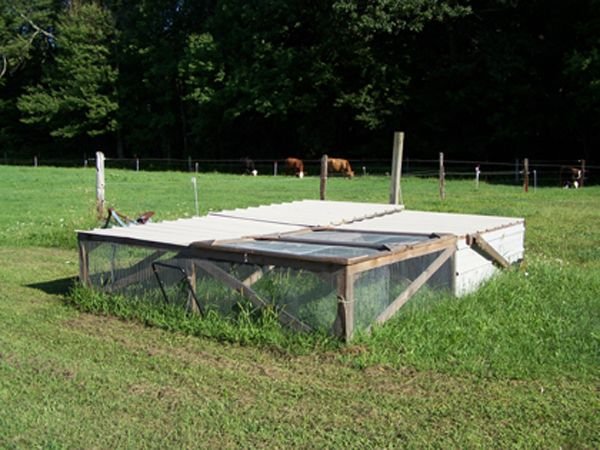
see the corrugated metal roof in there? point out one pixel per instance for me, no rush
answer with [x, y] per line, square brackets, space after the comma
[293, 216]
[434, 222]
[312, 213]
[185, 231]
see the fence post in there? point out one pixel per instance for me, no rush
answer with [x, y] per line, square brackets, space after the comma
[195, 184]
[189, 163]
[534, 179]
[35, 161]
[526, 174]
[100, 184]
[274, 168]
[137, 164]
[582, 172]
[477, 172]
[196, 167]
[323, 176]
[395, 189]
[442, 178]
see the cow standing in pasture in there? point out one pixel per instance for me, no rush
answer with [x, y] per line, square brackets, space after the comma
[341, 166]
[294, 166]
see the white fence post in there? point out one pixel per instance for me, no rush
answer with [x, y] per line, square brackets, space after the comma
[100, 184]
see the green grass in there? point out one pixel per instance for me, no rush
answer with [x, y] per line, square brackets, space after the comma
[512, 365]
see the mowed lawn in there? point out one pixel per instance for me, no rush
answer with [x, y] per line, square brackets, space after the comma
[514, 365]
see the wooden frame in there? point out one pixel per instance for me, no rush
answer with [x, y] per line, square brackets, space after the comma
[203, 255]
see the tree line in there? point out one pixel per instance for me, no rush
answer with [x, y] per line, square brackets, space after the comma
[485, 80]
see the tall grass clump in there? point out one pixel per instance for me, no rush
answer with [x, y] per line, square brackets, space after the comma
[539, 323]
[247, 327]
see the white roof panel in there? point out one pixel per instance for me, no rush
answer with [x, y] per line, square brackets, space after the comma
[185, 231]
[312, 213]
[434, 222]
[293, 216]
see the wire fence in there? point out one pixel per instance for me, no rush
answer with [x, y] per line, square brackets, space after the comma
[541, 172]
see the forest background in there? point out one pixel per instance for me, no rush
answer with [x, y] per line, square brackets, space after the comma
[488, 80]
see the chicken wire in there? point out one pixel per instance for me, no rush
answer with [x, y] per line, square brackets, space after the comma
[309, 296]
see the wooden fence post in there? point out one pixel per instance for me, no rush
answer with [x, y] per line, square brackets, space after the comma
[582, 172]
[477, 173]
[526, 174]
[323, 176]
[35, 161]
[100, 184]
[274, 168]
[442, 178]
[395, 188]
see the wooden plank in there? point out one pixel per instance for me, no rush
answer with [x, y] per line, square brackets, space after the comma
[345, 295]
[481, 246]
[229, 280]
[84, 264]
[254, 277]
[192, 302]
[404, 253]
[415, 286]
[138, 272]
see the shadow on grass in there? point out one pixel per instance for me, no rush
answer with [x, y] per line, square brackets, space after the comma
[62, 286]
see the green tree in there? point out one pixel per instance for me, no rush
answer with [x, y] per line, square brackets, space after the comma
[77, 96]
[320, 72]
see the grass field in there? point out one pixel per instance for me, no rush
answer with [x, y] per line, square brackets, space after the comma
[514, 365]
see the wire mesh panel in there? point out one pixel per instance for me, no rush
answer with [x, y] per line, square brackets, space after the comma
[311, 282]
[376, 289]
[123, 268]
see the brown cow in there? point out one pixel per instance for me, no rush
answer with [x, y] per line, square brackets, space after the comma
[340, 165]
[294, 166]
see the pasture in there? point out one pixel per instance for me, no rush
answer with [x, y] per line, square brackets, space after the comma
[514, 365]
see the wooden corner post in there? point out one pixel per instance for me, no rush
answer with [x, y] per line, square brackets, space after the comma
[345, 296]
[395, 188]
[323, 176]
[100, 184]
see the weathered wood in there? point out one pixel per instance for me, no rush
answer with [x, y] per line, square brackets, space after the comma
[255, 276]
[345, 296]
[192, 297]
[229, 280]
[404, 253]
[395, 188]
[483, 247]
[84, 265]
[412, 288]
[323, 177]
[100, 184]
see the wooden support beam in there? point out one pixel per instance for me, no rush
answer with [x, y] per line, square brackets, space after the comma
[345, 294]
[483, 247]
[255, 276]
[84, 265]
[412, 288]
[192, 302]
[229, 280]
[140, 271]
